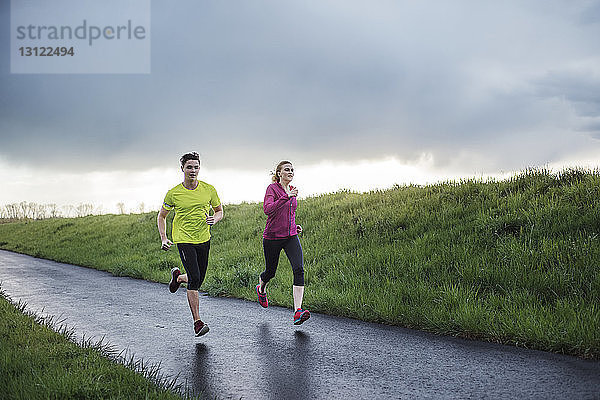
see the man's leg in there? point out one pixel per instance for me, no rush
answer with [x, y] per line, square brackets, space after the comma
[189, 259]
[201, 263]
[194, 302]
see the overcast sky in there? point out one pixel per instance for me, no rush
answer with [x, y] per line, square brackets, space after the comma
[468, 87]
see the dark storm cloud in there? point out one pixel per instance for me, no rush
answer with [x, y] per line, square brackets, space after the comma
[580, 89]
[335, 80]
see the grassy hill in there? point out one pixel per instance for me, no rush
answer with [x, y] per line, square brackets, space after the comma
[515, 261]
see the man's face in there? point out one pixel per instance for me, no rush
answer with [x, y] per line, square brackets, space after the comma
[190, 169]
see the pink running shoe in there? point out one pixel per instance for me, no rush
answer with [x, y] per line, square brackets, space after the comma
[200, 328]
[300, 316]
[174, 285]
[262, 297]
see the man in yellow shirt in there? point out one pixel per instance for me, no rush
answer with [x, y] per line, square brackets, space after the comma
[191, 200]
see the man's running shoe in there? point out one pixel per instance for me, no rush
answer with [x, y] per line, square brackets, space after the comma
[200, 328]
[262, 297]
[174, 285]
[300, 316]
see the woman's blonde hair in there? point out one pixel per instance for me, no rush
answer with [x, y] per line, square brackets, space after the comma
[275, 177]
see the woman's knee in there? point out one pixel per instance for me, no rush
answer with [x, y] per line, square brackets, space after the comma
[267, 275]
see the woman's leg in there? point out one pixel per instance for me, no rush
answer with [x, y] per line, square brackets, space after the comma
[271, 249]
[298, 293]
[293, 251]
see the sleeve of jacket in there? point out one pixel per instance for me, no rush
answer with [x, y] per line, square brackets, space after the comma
[270, 205]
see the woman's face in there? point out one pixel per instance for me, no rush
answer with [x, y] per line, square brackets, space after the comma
[287, 172]
[190, 169]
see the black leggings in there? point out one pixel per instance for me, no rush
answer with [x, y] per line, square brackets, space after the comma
[293, 250]
[194, 258]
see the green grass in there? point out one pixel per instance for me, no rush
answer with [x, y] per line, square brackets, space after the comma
[514, 261]
[36, 362]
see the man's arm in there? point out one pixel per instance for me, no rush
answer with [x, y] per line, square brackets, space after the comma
[216, 217]
[161, 221]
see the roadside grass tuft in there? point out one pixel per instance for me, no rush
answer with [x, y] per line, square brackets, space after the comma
[40, 358]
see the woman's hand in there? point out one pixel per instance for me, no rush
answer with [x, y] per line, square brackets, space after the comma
[299, 229]
[293, 192]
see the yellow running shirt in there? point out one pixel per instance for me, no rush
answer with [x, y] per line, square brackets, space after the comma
[189, 224]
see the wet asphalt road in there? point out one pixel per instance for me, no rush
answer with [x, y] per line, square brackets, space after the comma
[255, 353]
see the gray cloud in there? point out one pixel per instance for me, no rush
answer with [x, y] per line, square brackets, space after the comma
[336, 80]
[579, 88]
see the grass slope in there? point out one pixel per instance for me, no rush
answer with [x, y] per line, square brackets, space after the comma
[514, 261]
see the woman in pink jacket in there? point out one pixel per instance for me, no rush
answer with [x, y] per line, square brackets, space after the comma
[281, 232]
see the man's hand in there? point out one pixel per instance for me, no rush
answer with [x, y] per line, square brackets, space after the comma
[166, 244]
[210, 219]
